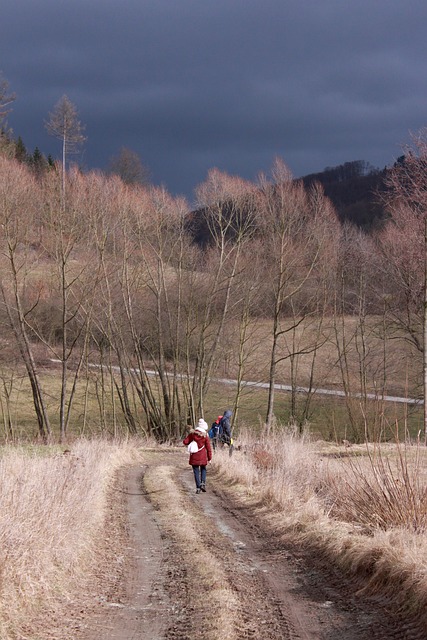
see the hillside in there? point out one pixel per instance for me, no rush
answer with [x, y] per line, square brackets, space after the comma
[355, 189]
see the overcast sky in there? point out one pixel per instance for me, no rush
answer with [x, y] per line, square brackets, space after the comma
[194, 84]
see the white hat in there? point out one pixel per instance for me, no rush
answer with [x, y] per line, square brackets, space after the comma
[202, 426]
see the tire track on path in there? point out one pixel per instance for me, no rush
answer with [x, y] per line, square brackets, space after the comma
[208, 567]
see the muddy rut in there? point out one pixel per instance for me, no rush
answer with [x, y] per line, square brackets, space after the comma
[206, 567]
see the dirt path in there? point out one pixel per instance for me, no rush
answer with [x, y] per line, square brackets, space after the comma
[241, 583]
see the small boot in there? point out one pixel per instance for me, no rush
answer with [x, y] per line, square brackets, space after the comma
[203, 487]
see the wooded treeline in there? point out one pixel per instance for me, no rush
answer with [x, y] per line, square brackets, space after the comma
[357, 190]
[106, 279]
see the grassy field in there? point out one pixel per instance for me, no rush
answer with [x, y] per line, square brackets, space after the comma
[390, 368]
[328, 416]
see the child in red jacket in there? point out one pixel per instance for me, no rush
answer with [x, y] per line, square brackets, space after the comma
[202, 455]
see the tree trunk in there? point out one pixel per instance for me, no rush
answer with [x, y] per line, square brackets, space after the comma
[425, 332]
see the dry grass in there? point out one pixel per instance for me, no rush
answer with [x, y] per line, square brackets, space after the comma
[385, 488]
[363, 509]
[53, 509]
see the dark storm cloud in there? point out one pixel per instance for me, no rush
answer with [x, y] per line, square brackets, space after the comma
[192, 84]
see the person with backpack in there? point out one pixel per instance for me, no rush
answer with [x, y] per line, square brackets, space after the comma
[225, 430]
[225, 427]
[199, 447]
[214, 432]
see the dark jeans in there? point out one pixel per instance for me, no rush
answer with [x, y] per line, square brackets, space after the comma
[227, 440]
[199, 474]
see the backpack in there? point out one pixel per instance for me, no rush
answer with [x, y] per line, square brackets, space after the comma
[193, 447]
[214, 431]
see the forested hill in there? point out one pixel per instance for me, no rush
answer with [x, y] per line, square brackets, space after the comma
[355, 189]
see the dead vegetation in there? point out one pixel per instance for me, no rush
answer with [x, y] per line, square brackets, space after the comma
[360, 509]
[54, 513]
[364, 512]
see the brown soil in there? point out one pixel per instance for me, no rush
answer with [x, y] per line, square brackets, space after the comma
[273, 590]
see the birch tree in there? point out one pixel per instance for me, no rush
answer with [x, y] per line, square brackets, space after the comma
[297, 233]
[68, 243]
[229, 205]
[359, 338]
[19, 197]
[404, 244]
[133, 312]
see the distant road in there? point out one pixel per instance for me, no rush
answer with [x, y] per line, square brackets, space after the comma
[326, 392]
[287, 387]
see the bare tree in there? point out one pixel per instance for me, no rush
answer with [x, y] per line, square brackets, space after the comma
[64, 125]
[357, 334]
[404, 244]
[308, 309]
[130, 315]
[297, 234]
[239, 347]
[68, 241]
[20, 196]
[109, 333]
[229, 205]
[168, 301]
[128, 166]
[157, 238]
[7, 144]
[6, 98]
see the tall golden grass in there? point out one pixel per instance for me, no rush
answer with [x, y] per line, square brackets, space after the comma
[52, 513]
[362, 508]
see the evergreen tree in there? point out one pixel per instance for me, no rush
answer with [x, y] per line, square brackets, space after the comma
[20, 150]
[38, 162]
